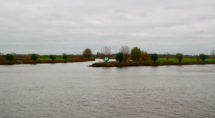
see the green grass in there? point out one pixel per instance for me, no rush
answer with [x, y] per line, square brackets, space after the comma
[210, 60]
[184, 60]
[48, 59]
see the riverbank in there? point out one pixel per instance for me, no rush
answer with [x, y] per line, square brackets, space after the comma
[44, 60]
[127, 64]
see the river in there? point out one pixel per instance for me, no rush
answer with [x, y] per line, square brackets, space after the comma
[74, 90]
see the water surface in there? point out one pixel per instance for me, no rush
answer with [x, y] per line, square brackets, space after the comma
[75, 90]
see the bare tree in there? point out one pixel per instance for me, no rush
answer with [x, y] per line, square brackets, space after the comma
[167, 56]
[1, 53]
[124, 49]
[106, 50]
[213, 53]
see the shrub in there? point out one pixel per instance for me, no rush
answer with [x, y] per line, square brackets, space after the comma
[120, 57]
[34, 57]
[126, 57]
[135, 54]
[154, 57]
[197, 58]
[144, 56]
[9, 57]
[203, 57]
[87, 53]
[180, 57]
[65, 57]
[52, 57]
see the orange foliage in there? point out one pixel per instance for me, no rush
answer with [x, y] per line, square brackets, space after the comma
[144, 56]
[126, 57]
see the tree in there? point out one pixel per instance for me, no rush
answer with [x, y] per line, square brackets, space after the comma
[65, 57]
[126, 57]
[144, 56]
[154, 57]
[52, 57]
[203, 57]
[135, 54]
[87, 53]
[213, 53]
[106, 50]
[9, 57]
[34, 57]
[180, 57]
[197, 58]
[167, 56]
[120, 57]
[124, 49]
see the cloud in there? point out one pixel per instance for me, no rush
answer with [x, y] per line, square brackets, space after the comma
[57, 26]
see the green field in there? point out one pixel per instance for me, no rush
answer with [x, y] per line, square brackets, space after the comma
[48, 59]
[184, 60]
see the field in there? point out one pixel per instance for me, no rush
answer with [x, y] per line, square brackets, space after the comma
[184, 60]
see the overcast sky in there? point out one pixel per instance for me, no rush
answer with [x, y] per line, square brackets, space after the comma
[70, 26]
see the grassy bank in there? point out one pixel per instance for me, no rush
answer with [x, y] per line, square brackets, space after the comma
[44, 60]
[160, 62]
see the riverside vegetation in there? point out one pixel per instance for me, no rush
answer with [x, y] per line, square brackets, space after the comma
[9, 59]
[142, 58]
[135, 57]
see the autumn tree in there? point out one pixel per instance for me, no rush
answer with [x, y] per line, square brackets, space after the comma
[144, 56]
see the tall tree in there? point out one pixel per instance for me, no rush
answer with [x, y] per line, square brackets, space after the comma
[87, 53]
[135, 54]
[106, 50]
[124, 49]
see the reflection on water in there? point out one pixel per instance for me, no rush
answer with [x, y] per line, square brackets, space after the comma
[75, 90]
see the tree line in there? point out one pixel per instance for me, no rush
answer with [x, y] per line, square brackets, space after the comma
[137, 54]
[87, 53]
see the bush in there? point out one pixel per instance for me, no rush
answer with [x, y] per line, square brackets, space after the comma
[52, 57]
[135, 54]
[203, 57]
[180, 57]
[120, 57]
[144, 56]
[9, 57]
[87, 53]
[126, 57]
[65, 57]
[197, 58]
[154, 57]
[34, 57]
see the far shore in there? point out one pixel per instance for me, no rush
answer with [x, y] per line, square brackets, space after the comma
[45, 60]
[130, 63]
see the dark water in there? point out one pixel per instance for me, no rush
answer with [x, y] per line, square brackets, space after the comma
[77, 91]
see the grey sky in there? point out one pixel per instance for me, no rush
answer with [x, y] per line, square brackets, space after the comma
[57, 26]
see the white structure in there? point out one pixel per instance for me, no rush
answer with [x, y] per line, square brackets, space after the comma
[1, 53]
